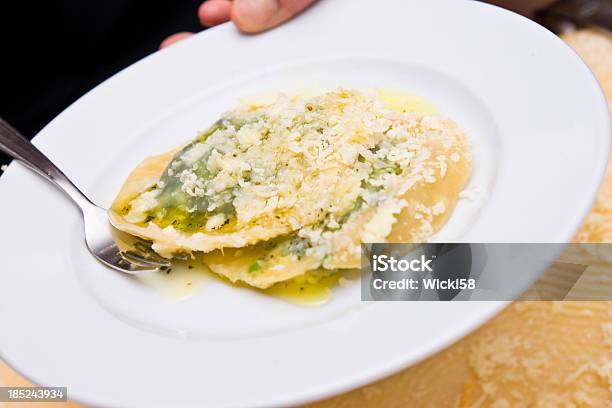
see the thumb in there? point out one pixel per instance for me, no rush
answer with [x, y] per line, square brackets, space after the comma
[253, 16]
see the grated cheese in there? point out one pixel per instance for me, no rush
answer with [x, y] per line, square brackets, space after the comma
[317, 175]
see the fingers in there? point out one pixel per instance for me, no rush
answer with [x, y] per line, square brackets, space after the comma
[250, 16]
[253, 16]
[175, 38]
[213, 12]
[210, 13]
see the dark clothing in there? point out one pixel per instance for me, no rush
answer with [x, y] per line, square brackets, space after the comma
[55, 51]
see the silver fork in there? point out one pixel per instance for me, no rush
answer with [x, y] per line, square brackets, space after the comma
[114, 248]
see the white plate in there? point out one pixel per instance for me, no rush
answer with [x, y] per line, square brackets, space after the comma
[540, 129]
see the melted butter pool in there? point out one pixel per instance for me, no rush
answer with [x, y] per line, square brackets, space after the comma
[406, 102]
[179, 282]
[185, 278]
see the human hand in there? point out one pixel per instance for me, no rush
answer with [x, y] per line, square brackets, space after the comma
[250, 16]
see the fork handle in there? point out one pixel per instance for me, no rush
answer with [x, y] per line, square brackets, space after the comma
[20, 148]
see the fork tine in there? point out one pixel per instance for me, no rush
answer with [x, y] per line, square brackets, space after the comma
[141, 248]
[145, 247]
[134, 265]
[135, 257]
[181, 257]
[112, 257]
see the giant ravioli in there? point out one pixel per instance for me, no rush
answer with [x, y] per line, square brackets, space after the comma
[273, 190]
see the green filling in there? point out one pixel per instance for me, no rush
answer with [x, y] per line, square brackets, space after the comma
[179, 209]
[293, 244]
[191, 213]
[255, 266]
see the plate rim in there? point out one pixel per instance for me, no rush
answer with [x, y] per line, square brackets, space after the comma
[381, 373]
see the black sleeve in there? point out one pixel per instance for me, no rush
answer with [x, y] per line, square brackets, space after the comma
[55, 51]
